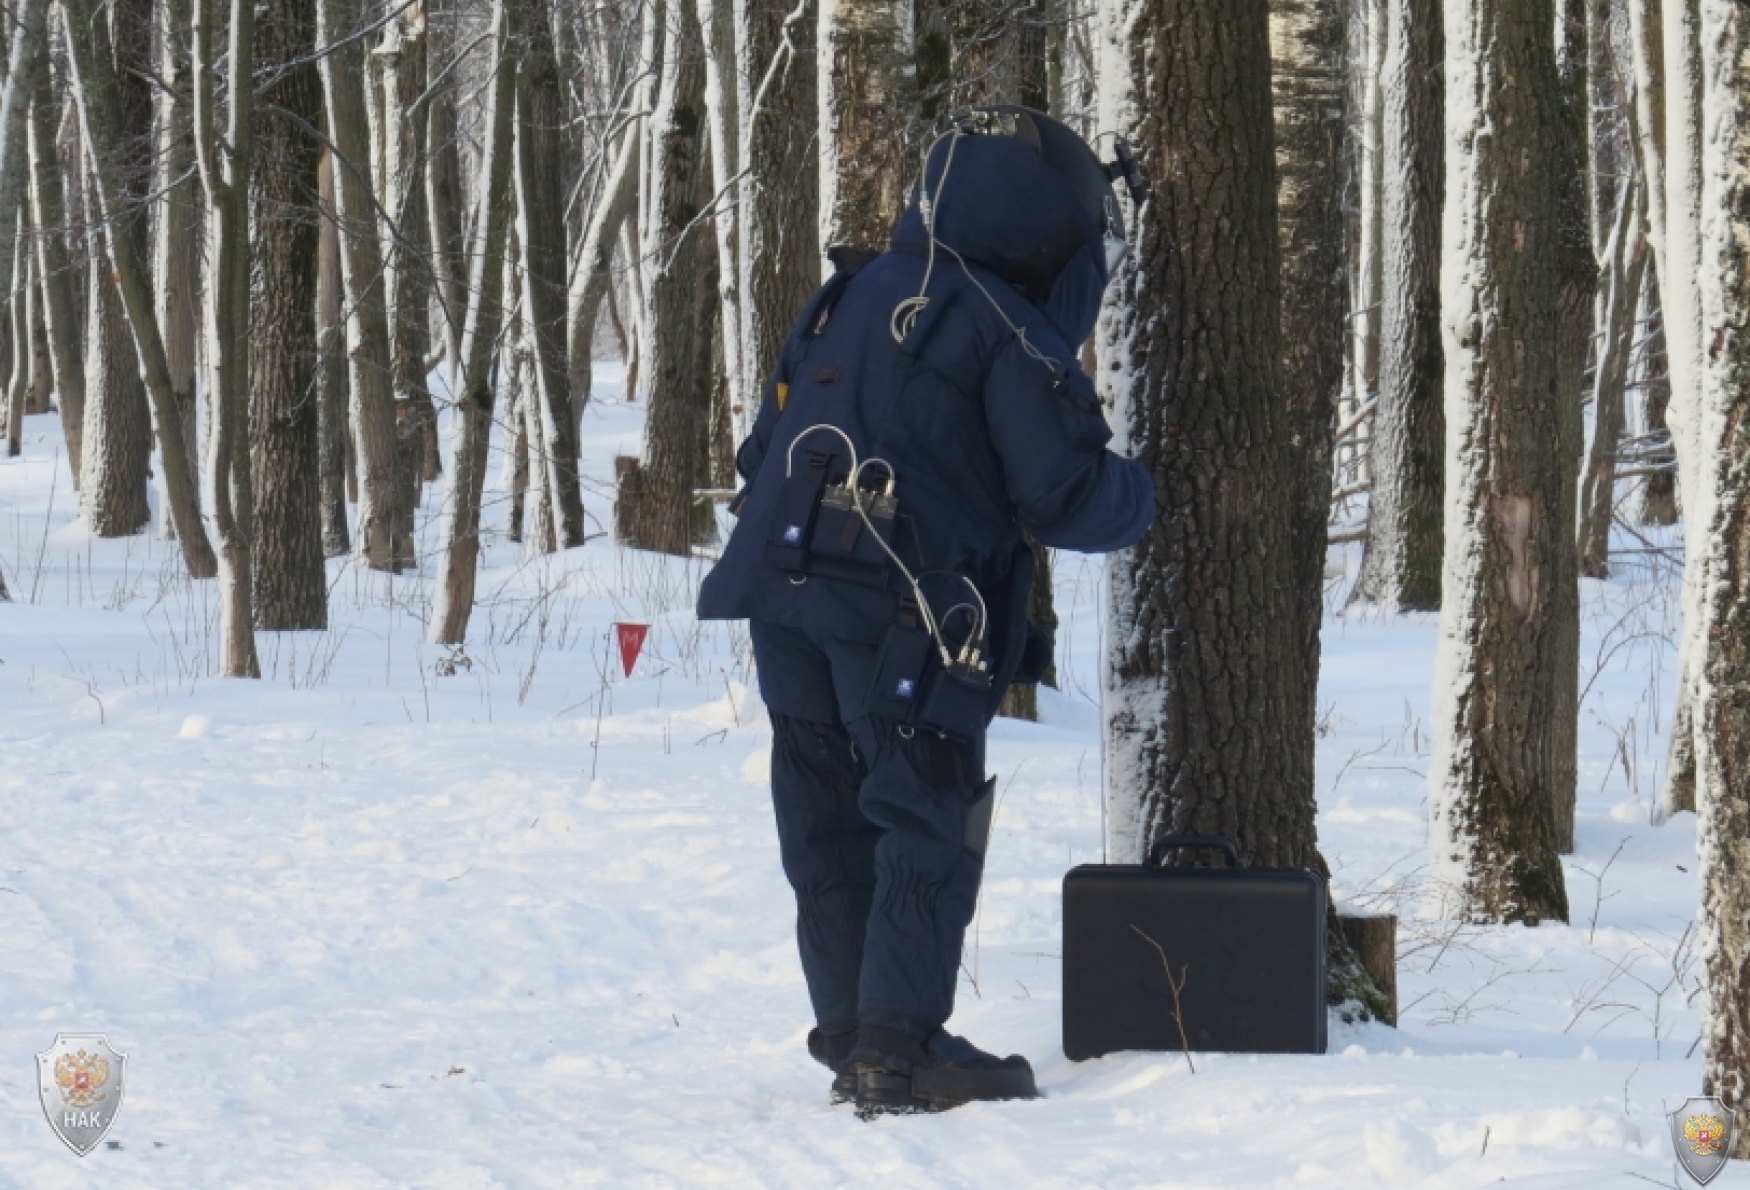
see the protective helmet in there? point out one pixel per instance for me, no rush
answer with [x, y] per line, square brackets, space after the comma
[1071, 157]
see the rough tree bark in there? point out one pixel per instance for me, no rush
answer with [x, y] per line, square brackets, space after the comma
[1207, 738]
[25, 56]
[657, 510]
[867, 82]
[291, 589]
[1400, 569]
[780, 235]
[1307, 42]
[118, 419]
[367, 325]
[471, 383]
[1722, 693]
[1493, 830]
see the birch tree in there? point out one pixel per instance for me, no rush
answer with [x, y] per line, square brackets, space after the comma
[176, 225]
[1493, 831]
[868, 95]
[225, 174]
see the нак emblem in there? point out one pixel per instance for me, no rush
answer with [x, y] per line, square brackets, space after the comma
[79, 1079]
[1701, 1130]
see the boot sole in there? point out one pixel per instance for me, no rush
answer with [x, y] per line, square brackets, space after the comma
[931, 1089]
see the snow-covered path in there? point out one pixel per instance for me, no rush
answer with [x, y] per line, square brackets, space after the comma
[369, 924]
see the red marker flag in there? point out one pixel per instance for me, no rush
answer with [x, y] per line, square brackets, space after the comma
[631, 638]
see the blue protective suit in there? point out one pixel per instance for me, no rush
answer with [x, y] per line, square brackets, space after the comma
[986, 425]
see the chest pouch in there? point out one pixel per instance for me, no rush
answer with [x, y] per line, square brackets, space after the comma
[795, 512]
[899, 673]
[846, 545]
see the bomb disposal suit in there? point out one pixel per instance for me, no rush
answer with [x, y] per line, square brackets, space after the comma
[926, 410]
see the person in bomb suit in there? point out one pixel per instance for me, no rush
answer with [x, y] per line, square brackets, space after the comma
[927, 409]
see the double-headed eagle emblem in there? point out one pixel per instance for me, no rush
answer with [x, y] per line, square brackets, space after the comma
[81, 1077]
[1701, 1134]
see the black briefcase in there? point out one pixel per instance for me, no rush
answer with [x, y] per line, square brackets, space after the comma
[1233, 956]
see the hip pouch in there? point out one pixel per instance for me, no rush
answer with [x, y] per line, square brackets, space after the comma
[795, 511]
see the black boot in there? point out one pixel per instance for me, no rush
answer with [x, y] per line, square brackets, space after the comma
[834, 1053]
[896, 1073]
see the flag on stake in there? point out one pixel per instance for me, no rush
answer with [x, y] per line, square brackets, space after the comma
[631, 638]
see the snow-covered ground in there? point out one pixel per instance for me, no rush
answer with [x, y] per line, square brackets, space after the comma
[392, 917]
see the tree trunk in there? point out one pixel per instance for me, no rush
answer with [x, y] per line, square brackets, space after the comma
[1400, 570]
[471, 416]
[1211, 738]
[780, 234]
[1308, 78]
[1653, 378]
[1369, 258]
[443, 198]
[225, 182]
[291, 582]
[1683, 346]
[118, 417]
[398, 64]
[1625, 264]
[60, 309]
[331, 386]
[95, 88]
[1722, 696]
[868, 94]
[367, 327]
[724, 115]
[176, 230]
[658, 512]
[25, 56]
[540, 196]
[1577, 288]
[1493, 836]
[18, 381]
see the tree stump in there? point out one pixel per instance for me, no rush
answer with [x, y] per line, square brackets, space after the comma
[1373, 938]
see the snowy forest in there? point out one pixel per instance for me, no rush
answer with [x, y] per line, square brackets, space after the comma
[367, 362]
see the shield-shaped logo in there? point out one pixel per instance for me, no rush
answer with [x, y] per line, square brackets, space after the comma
[1701, 1130]
[79, 1079]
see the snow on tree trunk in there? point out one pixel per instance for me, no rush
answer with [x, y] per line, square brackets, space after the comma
[291, 583]
[1400, 569]
[1369, 261]
[1204, 731]
[867, 80]
[1683, 348]
[1722, 692]
[1493, 837]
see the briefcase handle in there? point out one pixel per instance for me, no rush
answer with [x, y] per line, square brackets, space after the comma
[1158, 849]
